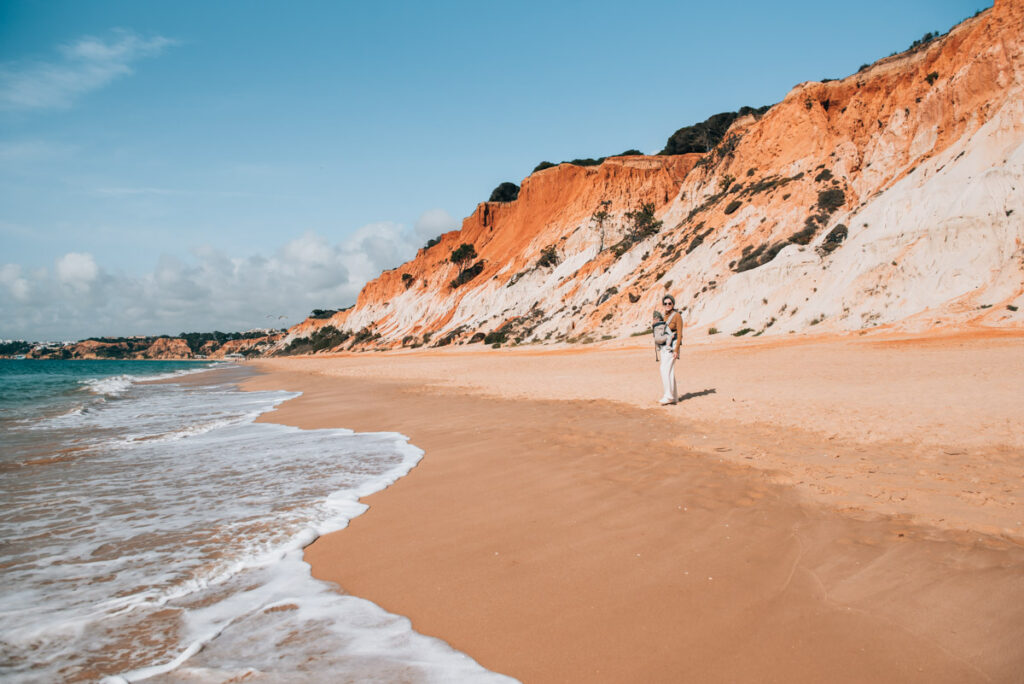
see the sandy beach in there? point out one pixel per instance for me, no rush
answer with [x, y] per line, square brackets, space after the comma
[815, 510]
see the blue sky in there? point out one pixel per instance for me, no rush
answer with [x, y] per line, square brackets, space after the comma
[191, 165]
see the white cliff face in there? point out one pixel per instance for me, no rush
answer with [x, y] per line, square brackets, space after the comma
[925, 152]
[944, 240]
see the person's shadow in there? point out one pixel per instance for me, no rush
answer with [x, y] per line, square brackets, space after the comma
[694, 395]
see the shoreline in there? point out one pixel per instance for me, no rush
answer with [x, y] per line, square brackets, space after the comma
[558, 538]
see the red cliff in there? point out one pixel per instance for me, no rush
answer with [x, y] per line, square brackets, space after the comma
[892, 197]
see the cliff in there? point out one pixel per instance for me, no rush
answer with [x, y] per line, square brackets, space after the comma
[893, 198]
[142, 348]
[161, 348]
[169, 348]
[216, 350]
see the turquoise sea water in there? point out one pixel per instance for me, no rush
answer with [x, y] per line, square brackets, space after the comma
[30, 387]
[154, 531]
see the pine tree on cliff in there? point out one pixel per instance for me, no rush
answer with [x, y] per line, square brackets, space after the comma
[461, 255]
[599, 218]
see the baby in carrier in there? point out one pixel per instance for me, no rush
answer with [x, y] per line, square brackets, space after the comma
[664, 336]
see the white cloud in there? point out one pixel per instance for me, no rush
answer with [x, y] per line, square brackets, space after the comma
[209, 290]
[433, 222]
[377, 246]
[17, 287]
[77, 270]
[82, 67]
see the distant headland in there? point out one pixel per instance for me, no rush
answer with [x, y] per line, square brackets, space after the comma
[194, 345]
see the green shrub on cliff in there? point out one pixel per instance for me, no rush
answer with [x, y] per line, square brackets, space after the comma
[641, 226]
[496, 337]
[506, 192]
[759, 256]
[830, 200]
[364, 335]
[643, 222]
[467, 274]
[299, 345]
[328, 337]
[834, 238]
[548, 257]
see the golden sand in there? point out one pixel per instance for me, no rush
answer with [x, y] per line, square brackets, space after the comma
[827, 510]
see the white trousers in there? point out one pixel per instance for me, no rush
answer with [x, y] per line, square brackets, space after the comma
[668, 375]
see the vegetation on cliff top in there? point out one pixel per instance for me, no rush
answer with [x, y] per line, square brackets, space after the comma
[702, 137]
[323, 313]
[196, 340]
[587, 161]
[506, 192]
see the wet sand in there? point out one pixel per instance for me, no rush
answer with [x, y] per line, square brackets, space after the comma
[556, 538]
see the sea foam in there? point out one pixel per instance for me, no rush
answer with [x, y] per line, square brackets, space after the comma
[170, 547]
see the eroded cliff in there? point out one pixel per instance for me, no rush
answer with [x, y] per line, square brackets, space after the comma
[891, 198]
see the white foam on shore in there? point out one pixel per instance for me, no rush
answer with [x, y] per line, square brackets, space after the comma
[228, 639]
[174, 548]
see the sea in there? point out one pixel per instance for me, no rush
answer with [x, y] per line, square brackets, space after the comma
[153, 531]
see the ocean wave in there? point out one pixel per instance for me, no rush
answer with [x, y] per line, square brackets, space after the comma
[181, 372]
[116, 385]
[191, 430]
[112, 386]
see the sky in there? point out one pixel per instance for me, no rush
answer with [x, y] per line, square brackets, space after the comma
[192, 166]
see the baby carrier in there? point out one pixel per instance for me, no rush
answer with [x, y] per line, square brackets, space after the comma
[664, 338]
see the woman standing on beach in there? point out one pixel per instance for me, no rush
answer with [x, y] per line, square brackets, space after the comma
[670, 351]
